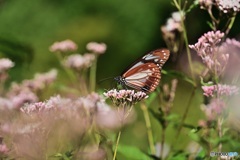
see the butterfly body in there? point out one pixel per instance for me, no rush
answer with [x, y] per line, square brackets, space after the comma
[145, 74]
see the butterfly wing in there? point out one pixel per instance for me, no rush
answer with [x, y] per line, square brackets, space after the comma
[145, 74]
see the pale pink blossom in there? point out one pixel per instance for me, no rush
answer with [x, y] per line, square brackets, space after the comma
[95, 47]
[212, 53]
[208, 90]
[25, 96]
[29, 88]
[173, 23]
[206, 43]
[5, 64]
[64, 46]
[125, 97]
[220, 89]
[227, 6]
[228, 90]
[79, 62]
[3, 149]
[214, 109]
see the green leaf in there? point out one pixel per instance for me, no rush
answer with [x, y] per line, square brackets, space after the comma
[133, 153]
[194, 136]
[201, 155]
[178, 75]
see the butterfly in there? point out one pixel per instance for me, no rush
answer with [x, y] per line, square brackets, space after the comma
[145, 73]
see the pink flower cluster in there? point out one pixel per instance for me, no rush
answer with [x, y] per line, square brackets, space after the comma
[63, 46]
[228, 5]
[213, 55]
[125, 97]
[26, 92]
[79, 62]
[220, 89]
[5, 64]
[206, 44]
[98, 48]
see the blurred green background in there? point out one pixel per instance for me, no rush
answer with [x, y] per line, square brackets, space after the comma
[129, 28]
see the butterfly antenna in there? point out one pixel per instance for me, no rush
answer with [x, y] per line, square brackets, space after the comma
[102, 80]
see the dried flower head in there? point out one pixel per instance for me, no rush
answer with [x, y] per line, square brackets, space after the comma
[63, 46]
[172, 31]
[173, 23]
[205, 4]
[227, 6]
[79, 62]
[5, 64]
[125, 97]
[220, 89]
[95, 47]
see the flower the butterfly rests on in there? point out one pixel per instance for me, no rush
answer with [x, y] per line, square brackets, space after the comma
[145, 74]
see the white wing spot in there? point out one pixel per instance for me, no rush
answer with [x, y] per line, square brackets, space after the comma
[150, 57]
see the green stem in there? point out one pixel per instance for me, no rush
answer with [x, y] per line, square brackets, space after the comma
[229, 26]
[186, 112]
[188, 50]
[149, 128]
[181, 11]
[93, 71]
[70, 74]
[116, 147]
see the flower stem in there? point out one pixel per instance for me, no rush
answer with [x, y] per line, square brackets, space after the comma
[186, 112]
[149, 128]
[116, 147]
[220, 134]
[70, 75]
[178, 6]
[230, 24]
[92, 77]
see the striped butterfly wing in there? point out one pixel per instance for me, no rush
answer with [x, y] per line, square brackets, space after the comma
[145, 74]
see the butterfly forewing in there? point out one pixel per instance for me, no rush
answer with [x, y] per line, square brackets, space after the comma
[145, 74]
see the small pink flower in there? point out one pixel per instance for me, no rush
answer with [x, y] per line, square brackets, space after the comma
[63, 46]
[95, 47]
[3, 149]
[208, 90]
[5, 64]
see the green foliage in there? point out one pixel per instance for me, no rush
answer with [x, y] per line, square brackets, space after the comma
[132, 152]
